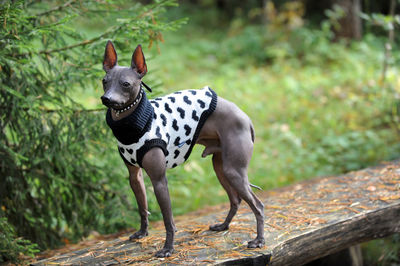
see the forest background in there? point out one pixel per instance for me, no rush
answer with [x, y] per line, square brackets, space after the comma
[319, 80]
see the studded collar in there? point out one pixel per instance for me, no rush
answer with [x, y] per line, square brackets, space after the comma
[137, 99]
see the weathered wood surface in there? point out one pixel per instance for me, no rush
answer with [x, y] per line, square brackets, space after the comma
[303, 222]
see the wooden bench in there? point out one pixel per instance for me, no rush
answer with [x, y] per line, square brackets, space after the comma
[305, 221]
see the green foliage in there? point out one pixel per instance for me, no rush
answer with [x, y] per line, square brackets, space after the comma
[11, 246]
[386, 22]
[56, 182]
[382, 251]
[334, 15]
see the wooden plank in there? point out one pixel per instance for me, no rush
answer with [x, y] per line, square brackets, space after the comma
[303, 222]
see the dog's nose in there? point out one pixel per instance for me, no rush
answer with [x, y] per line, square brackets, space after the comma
[106, 100]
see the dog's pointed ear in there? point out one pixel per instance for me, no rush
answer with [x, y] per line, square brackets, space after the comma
[110, 57]
[138, 61]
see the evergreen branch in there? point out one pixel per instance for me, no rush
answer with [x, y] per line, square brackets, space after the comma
[83, 43]
[76, 111]
[68, 47]
[84, 186]
[89, 41]
[57, 8]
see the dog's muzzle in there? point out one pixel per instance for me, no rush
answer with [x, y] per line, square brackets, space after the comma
[110, 103]
[105, 100]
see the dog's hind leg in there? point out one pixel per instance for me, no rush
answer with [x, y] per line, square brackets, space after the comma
[236, 154]
[239, 181]
[232, 194]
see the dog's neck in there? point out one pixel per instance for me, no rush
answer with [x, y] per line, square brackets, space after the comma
[118, 115]
[130, 126]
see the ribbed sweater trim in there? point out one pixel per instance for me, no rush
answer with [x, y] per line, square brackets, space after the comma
[130, 129]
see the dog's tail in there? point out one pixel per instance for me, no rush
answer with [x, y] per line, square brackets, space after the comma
[254, 186]
[253, 134]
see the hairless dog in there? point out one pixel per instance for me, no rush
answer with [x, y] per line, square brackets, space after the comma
[158, 134]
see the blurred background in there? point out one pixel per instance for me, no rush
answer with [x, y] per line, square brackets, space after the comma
[319, 79]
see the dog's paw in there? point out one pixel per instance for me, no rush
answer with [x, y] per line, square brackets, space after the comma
[165, 252]
[138, 235]
[256, 243]
[219, 227]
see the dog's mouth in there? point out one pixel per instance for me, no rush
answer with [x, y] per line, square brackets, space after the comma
[112, 105]
[115, 105]
[120, 108]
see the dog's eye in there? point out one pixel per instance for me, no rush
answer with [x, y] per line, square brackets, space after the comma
[126, 84]
[104, 81]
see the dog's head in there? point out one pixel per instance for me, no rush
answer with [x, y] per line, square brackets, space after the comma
[122, 84]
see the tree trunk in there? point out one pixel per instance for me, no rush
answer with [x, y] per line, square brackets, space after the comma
[350, 23]
[388, 44]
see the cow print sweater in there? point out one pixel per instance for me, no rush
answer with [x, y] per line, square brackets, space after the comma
[172, 123]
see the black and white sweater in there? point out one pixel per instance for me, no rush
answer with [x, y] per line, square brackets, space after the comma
[172, 123]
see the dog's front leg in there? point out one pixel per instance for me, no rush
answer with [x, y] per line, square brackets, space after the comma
[138, 188]
[154, 164]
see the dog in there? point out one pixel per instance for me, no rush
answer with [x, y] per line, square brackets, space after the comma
[159, 134]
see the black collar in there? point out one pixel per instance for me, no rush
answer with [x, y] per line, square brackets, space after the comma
[130, 129]
[147, 87]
